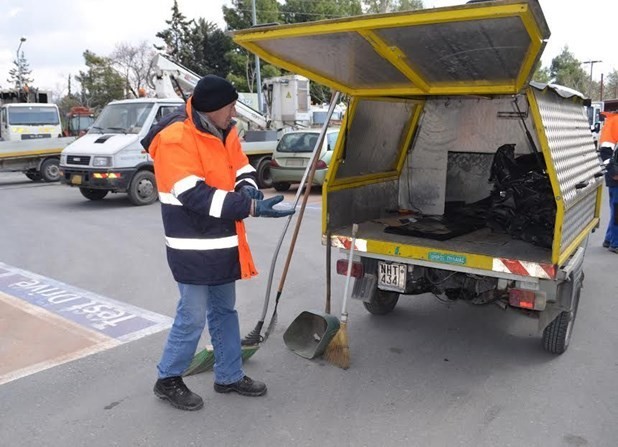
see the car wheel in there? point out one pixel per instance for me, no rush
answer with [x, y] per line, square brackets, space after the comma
[143, 188]
[281, 186]
[264, 178]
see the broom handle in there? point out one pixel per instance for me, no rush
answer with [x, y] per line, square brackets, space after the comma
[344, 306]
[328, 272]
[331, 109]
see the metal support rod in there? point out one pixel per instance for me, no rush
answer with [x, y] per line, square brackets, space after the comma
[258, 75]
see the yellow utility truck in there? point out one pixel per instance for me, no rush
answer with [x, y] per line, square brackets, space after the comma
[466, 179]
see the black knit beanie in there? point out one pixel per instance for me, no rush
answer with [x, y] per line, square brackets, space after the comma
[212, 93]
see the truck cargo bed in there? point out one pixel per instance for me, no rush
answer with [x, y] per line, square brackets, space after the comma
[480, 242]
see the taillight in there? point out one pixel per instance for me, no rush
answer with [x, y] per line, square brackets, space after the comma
[274, 164]
[357, 268]
[527, 299]
[321, 164]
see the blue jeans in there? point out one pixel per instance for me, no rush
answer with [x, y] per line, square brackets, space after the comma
[198, 303]
[611, 235]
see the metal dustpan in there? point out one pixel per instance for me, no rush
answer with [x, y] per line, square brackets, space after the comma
[310, 333]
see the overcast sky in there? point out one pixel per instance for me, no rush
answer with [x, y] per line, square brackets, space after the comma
[57, 32]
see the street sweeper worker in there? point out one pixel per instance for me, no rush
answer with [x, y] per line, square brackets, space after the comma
[607, 143]
[206, 188]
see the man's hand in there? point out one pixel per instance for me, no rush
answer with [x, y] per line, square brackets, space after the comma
[264, 208]
[251, 192]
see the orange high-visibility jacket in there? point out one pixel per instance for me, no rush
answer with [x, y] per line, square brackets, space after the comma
[607, 142]
[197, 174]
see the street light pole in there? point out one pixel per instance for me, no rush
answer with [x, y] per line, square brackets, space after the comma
[19, 77]
[591, 65]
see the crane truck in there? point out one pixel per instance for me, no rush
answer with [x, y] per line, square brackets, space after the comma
[110, 158]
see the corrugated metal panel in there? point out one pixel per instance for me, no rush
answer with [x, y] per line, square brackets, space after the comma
[571, 146]
[576, 218]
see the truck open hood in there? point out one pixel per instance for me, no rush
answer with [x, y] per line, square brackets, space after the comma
[478, 48]
[100, 144]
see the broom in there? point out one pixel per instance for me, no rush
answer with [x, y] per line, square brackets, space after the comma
[338, 350]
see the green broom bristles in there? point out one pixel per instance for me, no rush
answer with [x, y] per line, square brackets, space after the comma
[338, 350]
[205, 359]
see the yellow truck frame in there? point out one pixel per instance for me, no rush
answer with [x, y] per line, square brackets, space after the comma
[427, 88]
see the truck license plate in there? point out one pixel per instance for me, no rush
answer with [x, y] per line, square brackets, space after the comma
[76, 179]
[392, 276]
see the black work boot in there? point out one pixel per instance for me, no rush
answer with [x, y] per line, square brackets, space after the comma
[174, 390]
[245, 386]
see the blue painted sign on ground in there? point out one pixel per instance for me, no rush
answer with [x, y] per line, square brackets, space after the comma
[113, 318]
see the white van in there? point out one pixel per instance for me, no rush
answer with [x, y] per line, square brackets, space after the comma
[110, 157]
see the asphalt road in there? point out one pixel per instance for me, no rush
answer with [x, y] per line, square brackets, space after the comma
[429, 374]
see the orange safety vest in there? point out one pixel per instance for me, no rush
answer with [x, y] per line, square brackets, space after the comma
[197, 174]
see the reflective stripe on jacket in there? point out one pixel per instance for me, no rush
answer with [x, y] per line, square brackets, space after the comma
[197, 174]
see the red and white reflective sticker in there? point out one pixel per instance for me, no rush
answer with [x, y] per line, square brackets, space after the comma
[345, 243]
[524, 268]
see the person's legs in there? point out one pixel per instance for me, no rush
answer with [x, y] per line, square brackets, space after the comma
[186, 331]
[224, 333]
[613, 220]
[180, 348]
[608, 233]
[225, 337]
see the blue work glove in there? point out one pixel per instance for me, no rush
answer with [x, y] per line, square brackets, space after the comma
[251, 192]
[264, 208]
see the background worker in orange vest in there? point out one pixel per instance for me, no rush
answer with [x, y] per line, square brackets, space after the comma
[608, 140]
[206, 188]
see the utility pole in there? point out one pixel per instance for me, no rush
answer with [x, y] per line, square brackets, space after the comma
[591, 65]
[258, 77]
[19, 68]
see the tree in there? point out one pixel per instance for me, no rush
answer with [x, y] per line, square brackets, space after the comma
[611, 88]
[381, 6]
[19, 75]
[134, 63]
[176, 36]
[566, 70]
[101, 83]
[541, 74]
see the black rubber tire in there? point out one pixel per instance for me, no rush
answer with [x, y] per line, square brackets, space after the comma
[281, 187]
[143, 189]
[557, 335]
[33, 175]
[50, 170]
[93, 194]
[264, 179]
[382, 303]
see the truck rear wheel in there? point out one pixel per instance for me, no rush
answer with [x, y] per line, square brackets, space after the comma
[557, 334]
[383, 302]
[93, 194]
[50, 170]
[264, 178]
[143, 189]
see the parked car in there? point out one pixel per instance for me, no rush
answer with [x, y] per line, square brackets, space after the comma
[293, 154]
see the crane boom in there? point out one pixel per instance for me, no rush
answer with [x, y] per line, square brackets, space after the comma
[172, 80]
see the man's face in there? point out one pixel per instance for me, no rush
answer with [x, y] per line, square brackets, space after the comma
[223, 117]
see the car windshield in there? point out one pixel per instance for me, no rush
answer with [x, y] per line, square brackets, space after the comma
[304, 141]
[33, 116]
[122, 118]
